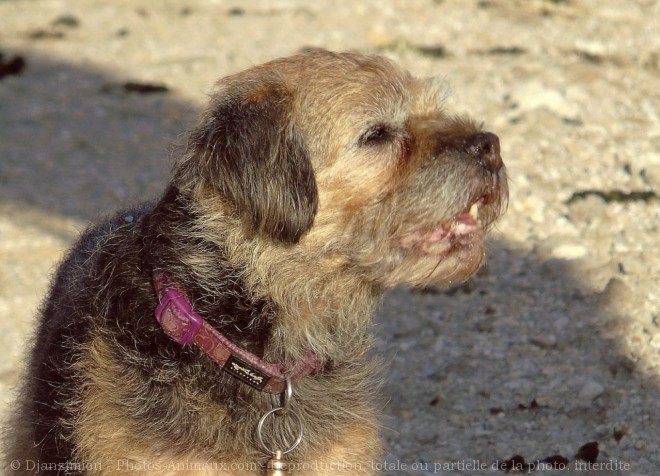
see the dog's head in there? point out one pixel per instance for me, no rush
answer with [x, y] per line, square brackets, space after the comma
[352, 161]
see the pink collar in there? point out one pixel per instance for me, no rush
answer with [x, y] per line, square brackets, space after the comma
[176, 316]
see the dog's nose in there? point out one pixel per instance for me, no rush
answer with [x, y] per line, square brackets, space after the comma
[485, 146]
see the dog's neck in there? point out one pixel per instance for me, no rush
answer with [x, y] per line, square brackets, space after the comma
[253, 290]
[178, 318]
[329, 315]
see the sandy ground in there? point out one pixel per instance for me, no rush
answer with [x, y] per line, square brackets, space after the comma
[555, 344]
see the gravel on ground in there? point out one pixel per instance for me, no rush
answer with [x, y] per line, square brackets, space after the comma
[550, 356]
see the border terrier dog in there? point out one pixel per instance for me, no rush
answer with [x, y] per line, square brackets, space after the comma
[224, 329]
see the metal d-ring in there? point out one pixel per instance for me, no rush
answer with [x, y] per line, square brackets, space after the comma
[260, 426]
[283, 400]
[287, 394]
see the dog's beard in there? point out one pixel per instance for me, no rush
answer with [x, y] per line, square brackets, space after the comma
[430, 257]
[437, 250]
[454, 257]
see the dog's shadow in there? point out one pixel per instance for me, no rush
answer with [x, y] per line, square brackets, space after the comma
[512, 362]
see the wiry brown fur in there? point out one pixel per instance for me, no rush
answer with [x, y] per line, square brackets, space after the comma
[310, 184]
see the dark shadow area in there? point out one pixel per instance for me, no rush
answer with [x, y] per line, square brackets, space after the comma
[518, 358]
[522, 358]
[77, 142]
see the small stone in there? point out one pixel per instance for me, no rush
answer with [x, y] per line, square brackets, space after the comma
[587, 210]
[591, 391]
[406, 345]
[536, 95]
[651, 175]
[619, 431]
[588, 452]
[591, 51]
[236, 12]
[615, 294]
[67, 20]
[562, 247]
[14, 66]
[43, 34]
[380, 40]
[544, 341]
[569, 251]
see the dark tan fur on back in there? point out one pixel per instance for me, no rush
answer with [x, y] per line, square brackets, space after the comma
[309, 186]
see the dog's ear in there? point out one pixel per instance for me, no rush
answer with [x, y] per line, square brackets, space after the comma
[248, 147]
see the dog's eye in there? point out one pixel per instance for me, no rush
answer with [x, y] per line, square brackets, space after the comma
[375, 135]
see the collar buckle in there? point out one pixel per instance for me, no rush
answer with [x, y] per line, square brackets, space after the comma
[184, 311]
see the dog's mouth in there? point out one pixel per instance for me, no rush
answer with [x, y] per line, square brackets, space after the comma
[466, 228]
